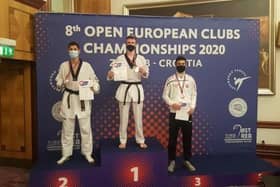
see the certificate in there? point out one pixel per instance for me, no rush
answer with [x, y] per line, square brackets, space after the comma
[120, 73]
[183, 114]
[85, 91]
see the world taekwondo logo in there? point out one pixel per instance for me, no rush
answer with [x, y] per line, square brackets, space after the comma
[236, 78]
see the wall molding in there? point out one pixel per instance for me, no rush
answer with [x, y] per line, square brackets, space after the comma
[268, 151]
[268, 124]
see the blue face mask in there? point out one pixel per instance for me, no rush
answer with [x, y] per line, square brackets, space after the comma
[73, 54]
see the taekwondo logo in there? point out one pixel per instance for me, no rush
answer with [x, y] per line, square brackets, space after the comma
[239, 135]
[52, 81]
[237, 107]
[236, 78]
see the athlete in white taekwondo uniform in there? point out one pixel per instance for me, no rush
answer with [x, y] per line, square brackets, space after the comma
[180, 95]
[130, 91]
[71, 74]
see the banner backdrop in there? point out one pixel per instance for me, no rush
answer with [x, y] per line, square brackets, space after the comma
[222, 56]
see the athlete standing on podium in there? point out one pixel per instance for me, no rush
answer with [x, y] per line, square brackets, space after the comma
[129, 69]
[71, 75]
[180, 95]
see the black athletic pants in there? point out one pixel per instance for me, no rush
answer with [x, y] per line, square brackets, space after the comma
[186, 128]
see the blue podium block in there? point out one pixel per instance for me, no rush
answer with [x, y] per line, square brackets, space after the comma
[46, 173]
[134, 166]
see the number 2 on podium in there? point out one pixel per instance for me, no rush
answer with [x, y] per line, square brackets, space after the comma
[134, 170]
[63, 181]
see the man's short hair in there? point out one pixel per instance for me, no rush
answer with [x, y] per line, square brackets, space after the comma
[131, 37]
[73, 43]
[180, 58]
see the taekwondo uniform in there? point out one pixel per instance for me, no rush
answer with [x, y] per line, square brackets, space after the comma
[131, 91]
[180, 90]
[72, 106]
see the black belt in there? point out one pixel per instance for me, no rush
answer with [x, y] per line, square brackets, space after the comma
[127, 88]
[75, 92]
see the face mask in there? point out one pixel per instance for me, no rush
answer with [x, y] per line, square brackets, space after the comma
[180, 69]
[73, 54]
[130, 47]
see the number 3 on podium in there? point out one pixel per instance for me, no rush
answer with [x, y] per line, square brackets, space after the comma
[197, 181]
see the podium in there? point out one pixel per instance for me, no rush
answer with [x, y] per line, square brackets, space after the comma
[134, 166]
[115, 167]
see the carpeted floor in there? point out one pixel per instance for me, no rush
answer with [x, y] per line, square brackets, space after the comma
[13, 177]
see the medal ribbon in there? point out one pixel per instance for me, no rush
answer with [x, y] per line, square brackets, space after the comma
[181, 87]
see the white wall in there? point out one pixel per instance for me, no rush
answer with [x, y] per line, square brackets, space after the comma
[62, 6]
[268, 106]
[117, 5]
[269, 136]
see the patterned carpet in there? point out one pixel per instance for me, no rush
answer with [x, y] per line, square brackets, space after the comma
[13, 177]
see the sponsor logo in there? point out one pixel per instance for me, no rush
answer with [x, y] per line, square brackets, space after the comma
[56, 111]
[239, 135]
[237, 107]
[55, 144]
[236, 79]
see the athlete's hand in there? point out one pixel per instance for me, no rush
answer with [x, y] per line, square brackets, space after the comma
[176, 106]
[191, 111]
[142, 71]
[110, 74]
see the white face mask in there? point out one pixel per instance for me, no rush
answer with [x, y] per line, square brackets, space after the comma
[73, 54]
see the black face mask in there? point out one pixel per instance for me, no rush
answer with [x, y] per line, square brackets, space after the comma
[180, 69]
[130, 47]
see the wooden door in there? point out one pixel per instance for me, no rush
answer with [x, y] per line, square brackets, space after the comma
[15, 117]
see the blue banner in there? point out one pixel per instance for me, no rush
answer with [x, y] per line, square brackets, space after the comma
[222, 56]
